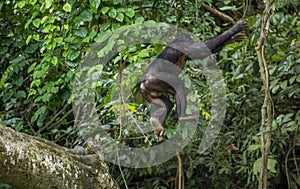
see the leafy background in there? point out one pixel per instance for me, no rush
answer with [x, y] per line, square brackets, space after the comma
[43, 42]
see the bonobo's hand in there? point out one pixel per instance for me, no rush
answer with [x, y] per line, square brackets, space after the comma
[158, 129]
[242, 25]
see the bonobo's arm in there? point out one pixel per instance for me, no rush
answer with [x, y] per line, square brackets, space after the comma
[215, 44]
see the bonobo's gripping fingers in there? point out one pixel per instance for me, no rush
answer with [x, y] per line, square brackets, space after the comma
[242, 25]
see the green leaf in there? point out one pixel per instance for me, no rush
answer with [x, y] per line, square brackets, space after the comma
[228, 8]
[143, 54]
[37, 22]
[41, 110]
[31, 67]
[35, 83]
[117, 1]
[44, 19]
[274, 89]
[81, 32]
[18, 80]
[283, 84]
[19, 126]
[113, 13]
[54, 60]
[104, 10]
[47, 28]
[48, 3]
[139, 20]
[7, 95]
[21, 94]
[86, 16]
[131, 108]
[89, 37]
[66, 26]
[35, 14]
[256, 166]
[36, 37]
[28, 39]
[32, 92]
[253, 147]
[298, 79]
[52, 19]
[17, 60]
[32, 48]
[73, 55]
[150, 23]
[27, 24]
[120, 17]
[121, 10]
[39, 74]
[67, 7]
[149, 169]
[129, 12]
[95, 3]
[46, 97]
[20, 4]
[292, 79]
[58, 39]
[287, 118]
[272, 165]
[102, 37]
[65, 53]
[32, 2]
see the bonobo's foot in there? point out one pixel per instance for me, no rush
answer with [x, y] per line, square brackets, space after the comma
[237, 38]
[188, 118]
[158, 129]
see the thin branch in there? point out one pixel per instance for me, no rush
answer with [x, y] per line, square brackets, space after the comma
[218, 13]
[179, 174]
[52, 120]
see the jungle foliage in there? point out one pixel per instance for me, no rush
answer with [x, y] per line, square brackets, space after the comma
[43, 43]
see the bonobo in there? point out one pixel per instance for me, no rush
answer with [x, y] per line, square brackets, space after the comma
[161, 76]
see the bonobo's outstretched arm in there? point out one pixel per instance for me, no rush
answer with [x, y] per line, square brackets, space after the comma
[161, 76]
[215, 44]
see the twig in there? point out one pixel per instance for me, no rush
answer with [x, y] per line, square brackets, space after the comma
[50, 124]
[119, 165]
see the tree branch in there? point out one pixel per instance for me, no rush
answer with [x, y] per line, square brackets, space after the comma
[218, 13]
[30, 162]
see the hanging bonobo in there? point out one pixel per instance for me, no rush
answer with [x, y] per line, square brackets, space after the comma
[161, 76]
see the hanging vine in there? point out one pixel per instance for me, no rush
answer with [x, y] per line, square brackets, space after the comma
[267, 107]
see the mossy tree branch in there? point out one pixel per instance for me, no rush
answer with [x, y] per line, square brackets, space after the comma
[31, 162]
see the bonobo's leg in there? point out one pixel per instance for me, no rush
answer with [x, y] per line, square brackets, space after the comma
[180, 95]
[221, 40]
[161, 108]
[178, 88]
